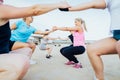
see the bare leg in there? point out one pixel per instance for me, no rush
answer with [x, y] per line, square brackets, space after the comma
[49, 49]
[18, 45]
[13, 66]
[95, 50]
[24, 51]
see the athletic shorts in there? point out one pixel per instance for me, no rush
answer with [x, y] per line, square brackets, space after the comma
[11, 43]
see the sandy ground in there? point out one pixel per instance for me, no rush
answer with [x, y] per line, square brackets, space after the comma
[54, 68]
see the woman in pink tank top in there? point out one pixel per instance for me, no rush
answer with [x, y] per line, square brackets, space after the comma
[78, 42]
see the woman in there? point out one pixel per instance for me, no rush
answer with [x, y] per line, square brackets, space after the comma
[78, 40]
[44, 44]
[21, 31]
[110, 45]
[15, 66]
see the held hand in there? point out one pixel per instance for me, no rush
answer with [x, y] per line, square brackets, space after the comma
[54, 28]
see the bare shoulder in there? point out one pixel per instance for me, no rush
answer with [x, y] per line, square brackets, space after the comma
[3, 21]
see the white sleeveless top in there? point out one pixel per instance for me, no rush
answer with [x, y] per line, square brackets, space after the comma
[114, 9]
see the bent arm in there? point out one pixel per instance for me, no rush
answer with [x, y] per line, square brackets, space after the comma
[13, 27]
[97, 4]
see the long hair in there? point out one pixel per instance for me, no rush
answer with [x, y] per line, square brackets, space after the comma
[82, 22]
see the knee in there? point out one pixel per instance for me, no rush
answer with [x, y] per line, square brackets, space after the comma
[118, 47]
[33, 45]
[91, 50]
[61, 50]
[26, 50]
[118, 44]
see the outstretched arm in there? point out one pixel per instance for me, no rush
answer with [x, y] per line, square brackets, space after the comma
[66, 28]
[10, 12]
[43, 32]
[97, 4]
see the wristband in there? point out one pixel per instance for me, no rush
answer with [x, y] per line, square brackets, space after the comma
[64, 9]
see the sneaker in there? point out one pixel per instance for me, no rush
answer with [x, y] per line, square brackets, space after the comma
[95, 78]
[48, 56]
[77, 65]
[33, 62]
[70, 63]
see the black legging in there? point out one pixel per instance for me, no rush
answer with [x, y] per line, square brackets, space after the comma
[70, 51]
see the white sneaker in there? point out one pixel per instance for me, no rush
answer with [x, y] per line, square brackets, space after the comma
[95, 78]
[32, 61]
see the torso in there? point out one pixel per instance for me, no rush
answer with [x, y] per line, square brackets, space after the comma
[114, 9]
[78, 39]
[5, 34]
[22, 32]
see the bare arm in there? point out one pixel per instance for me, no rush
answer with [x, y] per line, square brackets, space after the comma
[13, 27]
[67, 28]
[98, 4]
[43, 32]
[10, 12]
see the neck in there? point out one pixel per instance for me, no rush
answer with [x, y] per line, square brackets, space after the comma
[27, 23]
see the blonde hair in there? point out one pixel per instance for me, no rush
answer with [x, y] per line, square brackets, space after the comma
[82, 22]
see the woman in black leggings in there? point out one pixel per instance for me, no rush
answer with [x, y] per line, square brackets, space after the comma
[70, 51]
[78, 42]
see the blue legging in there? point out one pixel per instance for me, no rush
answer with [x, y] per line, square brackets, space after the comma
[70, 51]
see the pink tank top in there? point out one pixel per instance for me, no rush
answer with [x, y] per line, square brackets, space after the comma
[78, 39]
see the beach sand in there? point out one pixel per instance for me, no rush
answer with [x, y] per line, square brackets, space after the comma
[54, 68]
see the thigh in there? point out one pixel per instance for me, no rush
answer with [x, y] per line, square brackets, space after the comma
[69, 50]
[18, 45]
[24, 51]
[31, 44]
[104, 46]
[11, 65]
[64, 48]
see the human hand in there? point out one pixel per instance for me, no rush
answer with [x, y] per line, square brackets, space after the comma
[54, 28]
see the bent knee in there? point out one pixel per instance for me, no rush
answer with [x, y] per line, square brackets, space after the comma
[92, 50]
[118, 44]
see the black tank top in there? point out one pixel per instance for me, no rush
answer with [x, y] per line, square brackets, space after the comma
[5, 34]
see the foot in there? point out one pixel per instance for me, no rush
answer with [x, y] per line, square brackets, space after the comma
[77, 65]
[70, 63]
[95, 78]
[48, 56]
